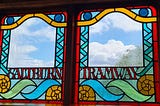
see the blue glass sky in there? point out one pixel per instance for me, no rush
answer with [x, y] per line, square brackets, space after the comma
[113, 37]
[118, 34]
[32, 44]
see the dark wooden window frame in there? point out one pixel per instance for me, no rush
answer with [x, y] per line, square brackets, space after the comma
[73, 7]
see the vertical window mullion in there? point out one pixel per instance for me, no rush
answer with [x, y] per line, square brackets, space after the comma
[69, 77]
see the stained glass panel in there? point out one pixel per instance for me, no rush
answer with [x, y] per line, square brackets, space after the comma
[32, 57]
[116, 55]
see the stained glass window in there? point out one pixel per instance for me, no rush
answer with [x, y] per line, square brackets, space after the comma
[116, 60]
[32, 57]
[92, 54]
